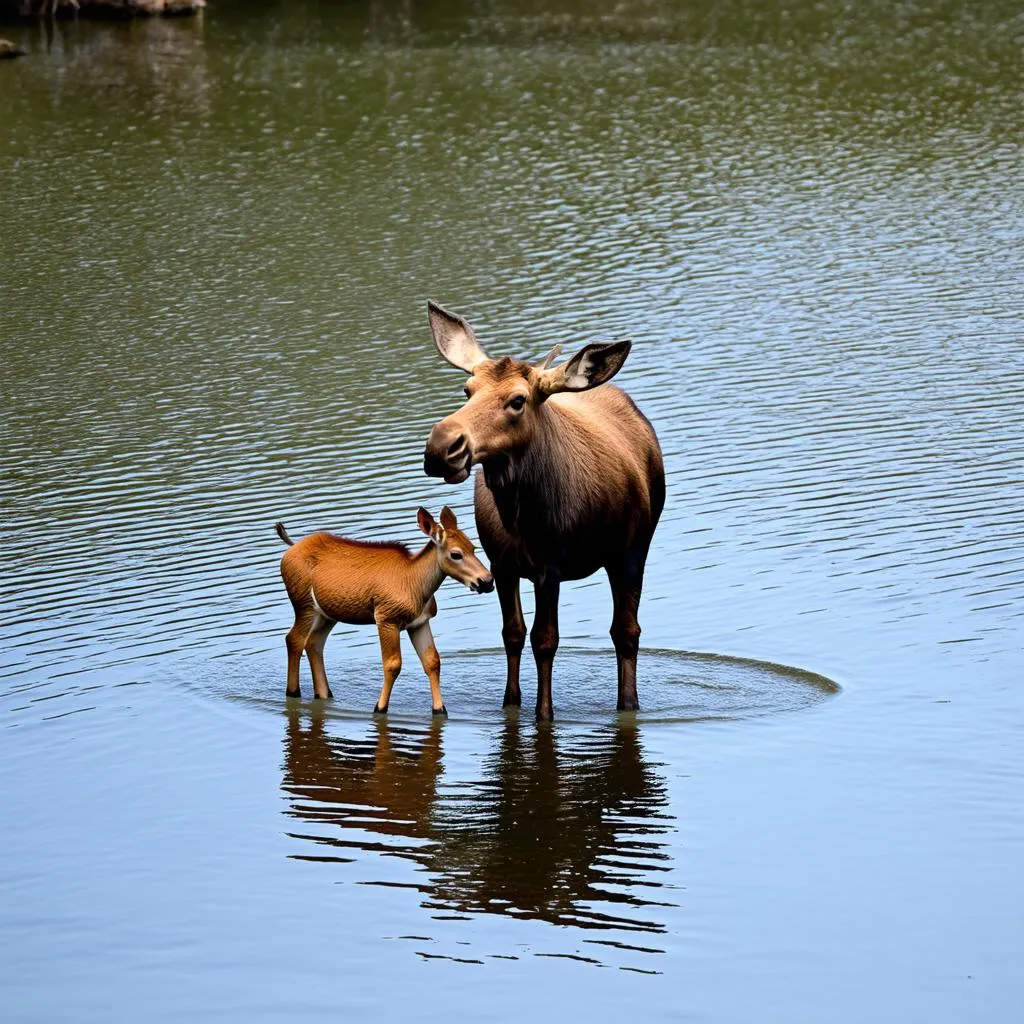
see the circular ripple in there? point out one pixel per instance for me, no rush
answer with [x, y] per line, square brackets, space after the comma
[674, 686]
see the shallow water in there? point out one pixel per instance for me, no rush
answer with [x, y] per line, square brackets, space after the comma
[218, 239]
[679, 687]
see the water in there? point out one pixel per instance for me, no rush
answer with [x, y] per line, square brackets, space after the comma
[218, 240]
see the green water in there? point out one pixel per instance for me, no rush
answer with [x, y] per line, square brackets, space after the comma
[218, 239]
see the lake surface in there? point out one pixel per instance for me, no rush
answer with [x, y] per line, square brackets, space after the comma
[219, 236]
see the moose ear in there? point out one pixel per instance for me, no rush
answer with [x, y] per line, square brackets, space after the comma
[454, 338]
[448, 520]
[593, 365]
[425, 521]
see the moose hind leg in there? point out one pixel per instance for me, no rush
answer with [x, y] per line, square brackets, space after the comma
[627, 585]
[513, 634]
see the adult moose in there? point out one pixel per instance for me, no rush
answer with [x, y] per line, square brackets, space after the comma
[572, 482]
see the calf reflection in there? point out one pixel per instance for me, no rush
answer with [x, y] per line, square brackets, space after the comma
[567, 832]
[385, 784]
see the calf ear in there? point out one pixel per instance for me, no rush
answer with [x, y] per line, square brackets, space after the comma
[448, 520]
[454, 338]
[591, 366]
[425, 521]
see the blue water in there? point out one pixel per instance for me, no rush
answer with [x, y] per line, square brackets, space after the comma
[219, 238]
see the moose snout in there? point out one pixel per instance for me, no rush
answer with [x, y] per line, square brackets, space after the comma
[447, 453]
[485, 585]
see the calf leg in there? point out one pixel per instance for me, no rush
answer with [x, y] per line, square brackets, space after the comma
[423, 640]
[513, 634]
[627, 582]
[391, 658]
[315, 655]
[544, 640]
[295, 642]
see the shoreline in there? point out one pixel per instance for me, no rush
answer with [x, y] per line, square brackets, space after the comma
[22, 11]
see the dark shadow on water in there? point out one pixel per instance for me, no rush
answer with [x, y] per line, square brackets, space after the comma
[564, 826]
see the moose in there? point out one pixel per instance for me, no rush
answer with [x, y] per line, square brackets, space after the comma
[572, 481]
[333, 579]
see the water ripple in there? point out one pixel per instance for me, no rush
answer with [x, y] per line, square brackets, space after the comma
[825, 300]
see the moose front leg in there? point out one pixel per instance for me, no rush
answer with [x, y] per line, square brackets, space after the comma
[544, 639]
[513, 634]
[627, 582]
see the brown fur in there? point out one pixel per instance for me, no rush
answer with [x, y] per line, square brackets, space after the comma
[333, 579]
[571, 483]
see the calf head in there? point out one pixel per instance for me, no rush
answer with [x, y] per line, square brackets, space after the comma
[456, 554]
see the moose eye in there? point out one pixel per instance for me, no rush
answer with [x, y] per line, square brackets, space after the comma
[465, 391]
[456, 556]
[517, 403]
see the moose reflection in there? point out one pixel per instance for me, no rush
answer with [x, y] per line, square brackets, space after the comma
[565, 835]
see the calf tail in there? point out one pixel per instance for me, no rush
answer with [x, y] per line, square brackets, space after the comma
[283, 534]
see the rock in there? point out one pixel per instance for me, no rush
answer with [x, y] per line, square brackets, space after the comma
[24, 9]
[8, 51]
[130, 8]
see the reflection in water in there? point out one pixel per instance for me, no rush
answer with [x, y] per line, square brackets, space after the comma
[554, 831]
[385, 785]
[564, 828]
[155, 61]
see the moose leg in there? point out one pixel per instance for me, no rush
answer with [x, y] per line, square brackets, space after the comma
[513, 634]
[627, 582]
[423, 640]
[544, 639]
[391, 658]
[315, 655]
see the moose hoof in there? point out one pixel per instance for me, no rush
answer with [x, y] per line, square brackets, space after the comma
[629, 704]
[441, 712]
[293, 694]
[545, 715]
[378, 710]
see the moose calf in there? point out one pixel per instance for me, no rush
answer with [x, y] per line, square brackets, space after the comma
[332, 579]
